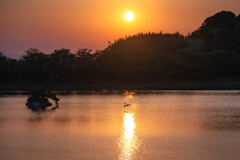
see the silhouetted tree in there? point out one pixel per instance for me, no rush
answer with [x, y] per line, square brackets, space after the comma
[218, 32]
[85, 55]
[62, 65]
[8, 69]
[34, 66]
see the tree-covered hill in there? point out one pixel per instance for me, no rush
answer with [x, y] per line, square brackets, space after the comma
[212, 51]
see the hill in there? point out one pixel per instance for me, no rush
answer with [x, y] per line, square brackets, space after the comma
[210, 53]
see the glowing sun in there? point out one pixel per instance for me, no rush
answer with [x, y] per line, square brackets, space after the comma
[129, 16]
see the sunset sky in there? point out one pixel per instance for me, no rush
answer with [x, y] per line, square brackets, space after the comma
[73, 24]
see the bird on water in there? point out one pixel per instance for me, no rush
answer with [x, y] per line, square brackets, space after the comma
[126, 105]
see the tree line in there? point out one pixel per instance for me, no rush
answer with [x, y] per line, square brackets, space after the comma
[211, 51]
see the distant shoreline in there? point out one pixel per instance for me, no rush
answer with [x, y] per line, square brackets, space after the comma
[220, 84]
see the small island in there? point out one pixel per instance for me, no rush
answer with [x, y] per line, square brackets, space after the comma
[39, 99]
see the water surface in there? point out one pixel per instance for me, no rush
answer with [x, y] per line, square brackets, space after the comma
[197, 125]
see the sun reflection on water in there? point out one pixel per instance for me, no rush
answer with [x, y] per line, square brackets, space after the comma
[129, 125]
[128, 141]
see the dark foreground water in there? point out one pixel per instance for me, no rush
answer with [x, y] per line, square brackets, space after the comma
[168, 126]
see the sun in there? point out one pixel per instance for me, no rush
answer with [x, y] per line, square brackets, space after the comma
[129, 16]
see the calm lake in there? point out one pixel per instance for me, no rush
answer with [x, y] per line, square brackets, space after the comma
[169, 125]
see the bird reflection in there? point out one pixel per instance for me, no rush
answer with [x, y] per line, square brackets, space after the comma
[128, 141]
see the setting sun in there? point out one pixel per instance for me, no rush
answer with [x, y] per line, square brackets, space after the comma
[129, 16]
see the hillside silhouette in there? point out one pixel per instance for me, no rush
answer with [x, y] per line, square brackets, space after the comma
[210, 52]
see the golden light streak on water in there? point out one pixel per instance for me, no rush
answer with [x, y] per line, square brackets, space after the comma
[129, 141]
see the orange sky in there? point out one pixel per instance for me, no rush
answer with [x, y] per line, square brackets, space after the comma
[73, 24]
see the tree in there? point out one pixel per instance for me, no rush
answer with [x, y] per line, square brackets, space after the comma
[223, 19]
[8, 69]
[62, 65]
[217, 32]
[85, 55]
[34, 66]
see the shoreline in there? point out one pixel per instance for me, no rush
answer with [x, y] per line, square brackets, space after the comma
[120, 87]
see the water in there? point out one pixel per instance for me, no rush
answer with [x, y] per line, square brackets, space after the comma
[158, 125]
